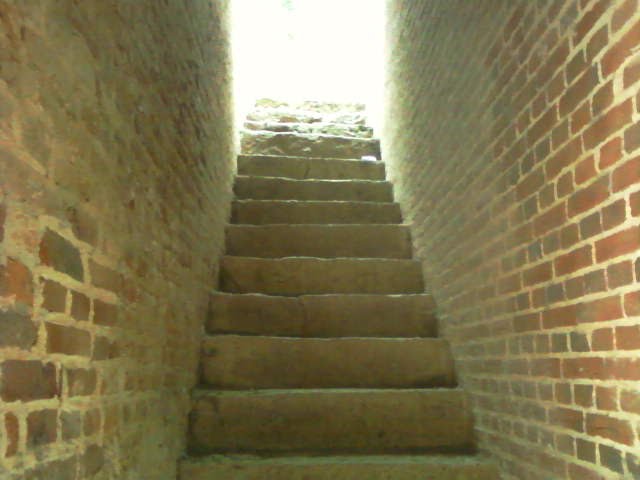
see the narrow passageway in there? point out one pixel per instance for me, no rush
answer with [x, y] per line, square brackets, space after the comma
[322, 359]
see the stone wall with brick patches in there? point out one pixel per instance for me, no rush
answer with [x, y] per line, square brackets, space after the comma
[116, 163]
[513, 137]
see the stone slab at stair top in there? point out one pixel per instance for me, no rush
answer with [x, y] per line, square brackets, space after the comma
[331, 421]
[327, 241]
[323, 315]
[247, 361]
[302, 275]
[304, 168]
[293, 144]
[262, 212]
[337, 129]
[374, 467]
[273, 188]
[311, 105]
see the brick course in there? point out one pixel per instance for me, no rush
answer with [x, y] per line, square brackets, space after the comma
[512, 137]
[116, 164]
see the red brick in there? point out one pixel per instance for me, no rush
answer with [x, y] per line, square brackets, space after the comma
[58, 253]
[602, 99]
[585, 450]
[569, 235]
[589, 19]
[583, 395]
[611, 122]
[579, 472]
[589, 197]
[597, 42]
[602, 340]
[601, 310]
[12, 429]
[585, 367]
[590, 226]
[84, 226]
[610, 153]
[609, 427]
[538, 274]
[560, 317]
[626, 175]
[631, 74]
[634, 200]
[579, 91]
[92, 421]
[28, 380]
[619, 274]
[565, 185]
[81, 382]
[628, 338]
[621, 243]
[550, 220]
[607, 398]
[526, 323]
[630, 401]
[620, 51]
[17, 330]
[623, 14]
[16, 281]
[563, 158]
[531, 184]
[80, 306]
[103, 277]
[42, 427]
[567, 418]
[68, 340]
[92, 461]
[632, 138]
[54, 297]
[585, 170]
[623, 368]
[105, 314]
[632, 304]
[573, 261]
[614, 214]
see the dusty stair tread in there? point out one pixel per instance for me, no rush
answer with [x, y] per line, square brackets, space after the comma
[310, 168]
[307, 145]
[343, 467]
[327, 241]
[411, 315]
[311, 105]
[249, 361]
[331, 421]
[330, 128]
[262, 212]
[276, 188]
[292, 276]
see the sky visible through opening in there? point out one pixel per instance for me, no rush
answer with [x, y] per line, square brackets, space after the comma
[330, 50]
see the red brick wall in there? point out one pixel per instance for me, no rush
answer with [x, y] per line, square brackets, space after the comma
[513, 139]
[116, 162]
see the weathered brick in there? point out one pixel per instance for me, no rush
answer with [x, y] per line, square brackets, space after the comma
[17, 330]
[28, 380]
[68, 340]
[81, 382]
[42, 427]
[54, 297]
[620, 243]
[57, 252]
[12, 429]
[16, 281]
[103, 277]
[80, 306]
[105, 314]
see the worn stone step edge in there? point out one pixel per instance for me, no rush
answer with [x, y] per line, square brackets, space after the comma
[299, 211]
[323, 315]
[252, 361]
[323, 240]
[305, 168]
[348, 467]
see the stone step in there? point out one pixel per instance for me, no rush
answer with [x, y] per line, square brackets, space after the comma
[264, 212]
[337, 129]
[311, 105]
[249, 362]
[331, 421]
[327, 241]
[323, 315]
[372, 467]
[303, 168]
[273, 188]
[307, 145]
[294, 276]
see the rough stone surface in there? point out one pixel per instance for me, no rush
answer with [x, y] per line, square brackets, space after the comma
[302, 168]
[323, 315]
[326, 420]
[292, 144]
[116, 170]
[399, 467]
[336, 129]
[364, 241]
[271, 188]
[242, 362]
[298, 275]
[311, 105]
[264, 212]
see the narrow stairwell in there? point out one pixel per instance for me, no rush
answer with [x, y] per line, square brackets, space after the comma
[322, 359]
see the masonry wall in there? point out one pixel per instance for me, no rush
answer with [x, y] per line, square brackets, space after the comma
[116, 162]
[513, 136]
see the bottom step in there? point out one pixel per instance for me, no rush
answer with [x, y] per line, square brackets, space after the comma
[396, 467]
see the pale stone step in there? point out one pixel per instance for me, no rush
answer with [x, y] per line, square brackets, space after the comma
[323, 315]
[311, 105]
[331, 420]
[304, 275]
[338, 129]
[372, 467]
[273, 188]
[243, 362]
[303, 168]
[261, 212]
[327, 241]
[307, 145]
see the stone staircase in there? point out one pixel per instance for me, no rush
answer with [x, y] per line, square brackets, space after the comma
[321, 359]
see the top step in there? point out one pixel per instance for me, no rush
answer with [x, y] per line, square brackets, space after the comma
[313, 106]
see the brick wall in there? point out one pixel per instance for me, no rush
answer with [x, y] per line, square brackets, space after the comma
[116, 161]
[513, 139]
